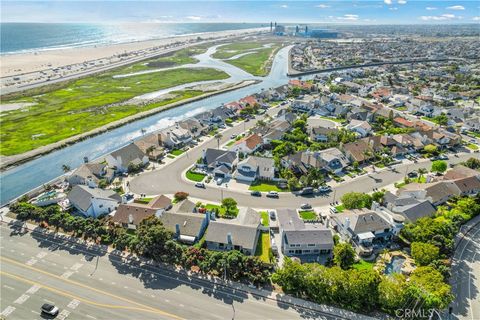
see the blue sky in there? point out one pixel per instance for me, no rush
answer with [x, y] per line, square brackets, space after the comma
[338, 12]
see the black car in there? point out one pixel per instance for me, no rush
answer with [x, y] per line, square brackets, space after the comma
[50, 309]
[306, 191]
[256, 193]
[412, 174]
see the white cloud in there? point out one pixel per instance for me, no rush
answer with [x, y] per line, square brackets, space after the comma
[402, 2]
[196, 18]
[284, 6]
[443, 17]
[476, 18]
[431, 8]
[349, 17]
[456, 8]
[393, 8]
[323, 6]
[389, 2]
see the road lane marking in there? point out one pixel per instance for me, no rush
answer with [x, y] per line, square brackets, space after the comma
[142, 306]
[31, 262]
[22, 299]
[41, 254]
[7, 311]
[8, 287]
[76, 266]
[67, 294]
[63, 315]
[73, 304]
[89, 316]
[33, 289]
[66, 274]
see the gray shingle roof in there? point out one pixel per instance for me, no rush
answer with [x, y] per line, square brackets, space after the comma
[129, 153]
[189, 223]
[81, 196]
[216, 155]
[299, 232]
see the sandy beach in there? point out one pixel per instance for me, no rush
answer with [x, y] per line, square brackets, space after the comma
[18, 64]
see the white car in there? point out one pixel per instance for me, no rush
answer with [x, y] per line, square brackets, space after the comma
[272, 194]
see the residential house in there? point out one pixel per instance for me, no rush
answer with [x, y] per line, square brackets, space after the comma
[220, 162]
[93, 202]
[332, 159]
[123, 157]
[436, 192]
[129, 215]
[301, 239]
[468, 186]
[90, 174]
[175, 137]
[472, 124]
[361, 128]
[358, 151]
[239, 234]
[408, 206]
[193, 126]
[248, 144]
[460, 171]
[255, 168]
[403, 123]
[322, 134]
[187, 227]
[363, 227]
[151, 146]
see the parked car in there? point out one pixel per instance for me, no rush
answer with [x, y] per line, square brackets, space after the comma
[272, 194]
[412, 174]
[325, 189]
[443, 157]
[333, 210]
[49, 309]
[200, 185]
[272, 215]
[306, 206]
[306, 191]
[233, 136]
[219, 181]
[256, 193]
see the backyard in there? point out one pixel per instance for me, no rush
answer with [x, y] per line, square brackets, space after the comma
[308, 215]
[265, 219]
[79, 106]
[263, 247]
[363, 265]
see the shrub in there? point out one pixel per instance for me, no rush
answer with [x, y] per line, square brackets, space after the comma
[180, 195]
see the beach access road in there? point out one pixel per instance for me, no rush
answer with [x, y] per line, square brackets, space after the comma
[85, 282]
[168, 178]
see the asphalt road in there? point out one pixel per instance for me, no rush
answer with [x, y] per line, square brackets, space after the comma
[88, 284]
[168, 179]
[466, 277]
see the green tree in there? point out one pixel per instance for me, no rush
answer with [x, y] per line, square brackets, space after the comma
[392, 292]
[430, 149]
[344, 255]
[441, 119]
[152, 237]
[356, 200]
[424, 253]
[439, 166]
[472, 163]
[230, 205]
[427, 286]
[66, 168]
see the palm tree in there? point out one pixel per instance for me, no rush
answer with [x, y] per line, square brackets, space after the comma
[66, 168]
[421, 172]
[218, 136]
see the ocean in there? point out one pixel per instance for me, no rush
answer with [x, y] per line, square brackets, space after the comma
[25, 37]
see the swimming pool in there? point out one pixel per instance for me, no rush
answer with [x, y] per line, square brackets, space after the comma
[395, 265]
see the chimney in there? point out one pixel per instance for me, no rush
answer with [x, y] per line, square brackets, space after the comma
[229, 238]
[177, 230]
[130, 219]
[347, 223]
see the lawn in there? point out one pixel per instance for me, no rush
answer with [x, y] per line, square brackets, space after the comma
[194, 176]
[308, 215]
[363, 265]
[340, 208]
[472, 146]
[232, 49]
[256, 64]
[333, 119]
[265, 219]
[231, 142]
[265, 187]
[71, 108]
[221, 210]
[177, 152]
[473, 133]
[263, 247]
[143, 200]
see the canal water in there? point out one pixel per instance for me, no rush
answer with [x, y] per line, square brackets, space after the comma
[25, 177]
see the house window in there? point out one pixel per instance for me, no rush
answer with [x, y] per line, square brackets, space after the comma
[291, 251]
[316, 250]
[220, 245]
[311, 244]
[100, 206]
[306, 251]
[386, 230]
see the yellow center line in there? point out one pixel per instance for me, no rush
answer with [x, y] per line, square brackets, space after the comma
[142, 306]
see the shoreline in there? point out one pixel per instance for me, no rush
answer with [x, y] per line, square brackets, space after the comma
[9, 162]
[19, 72]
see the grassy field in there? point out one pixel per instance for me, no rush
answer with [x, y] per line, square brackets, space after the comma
[85, 104]
[472, 146]
[232, 49]
[308, 215]
[193, 176]
[263, 247]
[172, 59]
[340, 208]
[256, 64]
[177, 152]
[265, 187]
